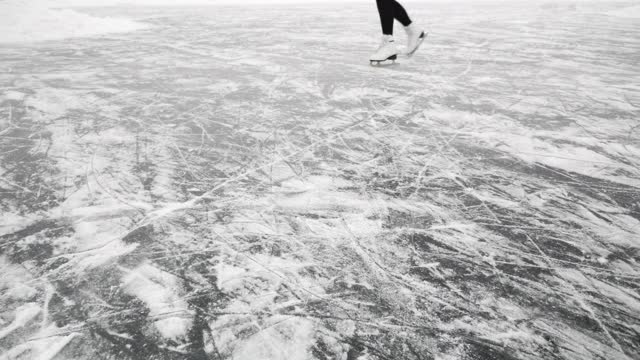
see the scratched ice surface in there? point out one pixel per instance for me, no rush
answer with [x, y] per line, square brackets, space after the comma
[236, 183]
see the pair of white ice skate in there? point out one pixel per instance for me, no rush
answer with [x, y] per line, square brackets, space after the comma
[388, 50]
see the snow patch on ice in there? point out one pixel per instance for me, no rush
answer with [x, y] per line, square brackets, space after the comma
[161, 292]
[230, 277]
[319, 193]
[223, 87]
[13, 221]
[15, 282]
[13, 95]
[288, 339]
[632, 12]
[45, 346]
[24, 315]
[569, 149]
[53, 103]
[21, 291]
[30, 22]
[357, 94]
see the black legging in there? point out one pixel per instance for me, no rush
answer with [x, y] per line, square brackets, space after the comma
[390, 10]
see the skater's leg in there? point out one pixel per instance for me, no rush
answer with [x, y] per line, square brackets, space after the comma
[385, 9]
[390, 10]
[400, 14]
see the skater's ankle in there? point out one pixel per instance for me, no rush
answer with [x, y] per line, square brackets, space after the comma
[387, 38]
[411, 28]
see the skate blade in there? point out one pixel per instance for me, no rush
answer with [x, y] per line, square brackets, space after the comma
[388, 61]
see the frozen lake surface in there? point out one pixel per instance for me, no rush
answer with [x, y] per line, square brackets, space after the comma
[233, 183]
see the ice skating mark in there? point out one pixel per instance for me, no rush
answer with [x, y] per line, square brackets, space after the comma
[388, 61]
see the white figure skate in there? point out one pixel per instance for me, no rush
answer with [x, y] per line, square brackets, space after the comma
[415, 37]
[388, 51]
